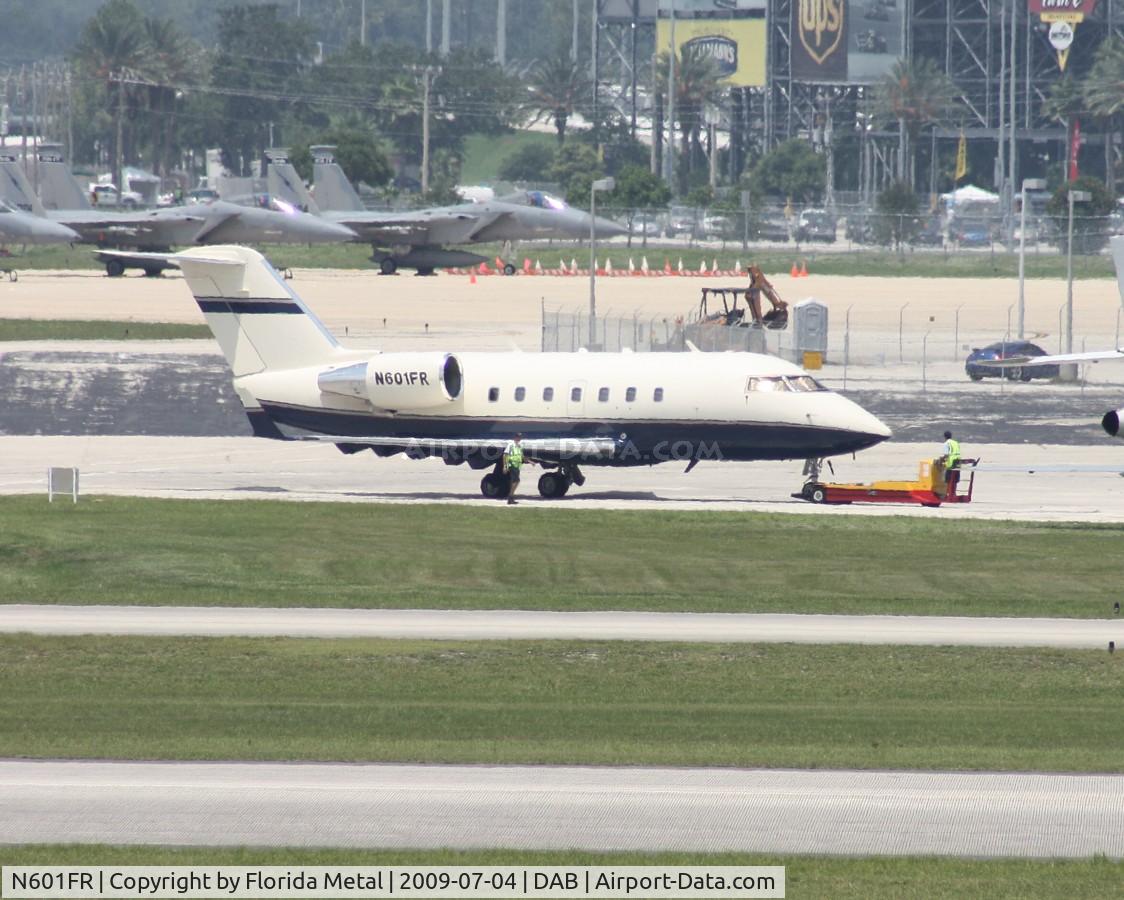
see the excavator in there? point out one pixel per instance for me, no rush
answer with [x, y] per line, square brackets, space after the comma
[733, 314]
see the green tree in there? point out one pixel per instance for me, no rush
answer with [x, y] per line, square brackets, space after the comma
[1103, 91]
[527, 163]
[1090, 219]
[791, 169]
[698, 84]
[575, 168]
[637, 190]
[173, 60]
[914, 93]
[112, 50]
[897, 222]
[559, 87]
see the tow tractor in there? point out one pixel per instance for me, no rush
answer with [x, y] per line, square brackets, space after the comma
[934, 486]
[735, 315]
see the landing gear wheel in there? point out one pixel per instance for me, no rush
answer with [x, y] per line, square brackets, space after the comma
[976, 377]
[388, 266]
[553, 485]
[425, 270]
[494, 487]
[153, 273]
[114, 268]
[818, 494]
[1024, 375]
[509, 268]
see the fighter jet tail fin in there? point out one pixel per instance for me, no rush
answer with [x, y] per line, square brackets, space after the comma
[334, 192]
[259, 323]
[57, 184]
[285, 183]
[14, 186]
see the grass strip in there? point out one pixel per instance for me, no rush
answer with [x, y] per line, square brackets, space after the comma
[97, 330]
[560, 702]
[264, 553]
[806, 877]
[867, 262]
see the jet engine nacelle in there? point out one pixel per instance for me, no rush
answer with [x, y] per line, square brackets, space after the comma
[1111, 422]
[398, 380]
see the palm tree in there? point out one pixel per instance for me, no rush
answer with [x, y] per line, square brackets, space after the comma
[559, 87]
[172, 61]
[111, 45]
[698, 84]
[1064, 104]
[914, 93]
[1103, 92]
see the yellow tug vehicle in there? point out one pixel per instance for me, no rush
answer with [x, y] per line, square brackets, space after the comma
[934, 485]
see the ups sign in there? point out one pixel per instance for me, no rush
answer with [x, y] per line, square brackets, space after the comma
[819, 40]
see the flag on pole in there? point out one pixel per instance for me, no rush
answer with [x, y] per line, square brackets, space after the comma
[1074, 149]
[961, 158]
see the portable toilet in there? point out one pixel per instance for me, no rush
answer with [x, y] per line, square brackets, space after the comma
[810, 338]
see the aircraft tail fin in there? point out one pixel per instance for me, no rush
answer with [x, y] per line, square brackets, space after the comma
[258, 321]
[14, 186]
[285, 183]
[57, 184]
[334, 192]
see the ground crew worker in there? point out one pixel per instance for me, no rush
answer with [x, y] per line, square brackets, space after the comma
[951, 460]
[512, 463]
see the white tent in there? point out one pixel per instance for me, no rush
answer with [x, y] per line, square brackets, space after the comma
[969, 194]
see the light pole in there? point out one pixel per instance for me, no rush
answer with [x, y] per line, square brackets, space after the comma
[601, 184]
[1074, 197]
[1029, 184]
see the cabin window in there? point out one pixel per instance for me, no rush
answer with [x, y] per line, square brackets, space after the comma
[493, 394]
[603, 395]
[520, 393]
[575, 394]
[657, 395]
[630, 395]
[548, 394]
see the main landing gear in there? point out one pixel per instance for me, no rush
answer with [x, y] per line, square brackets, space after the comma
[552, 484]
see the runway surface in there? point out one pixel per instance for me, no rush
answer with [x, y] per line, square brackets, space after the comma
[776, 811]
[590, 626]
[251, 468]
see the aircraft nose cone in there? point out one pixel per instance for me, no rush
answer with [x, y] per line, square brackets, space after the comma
[47, 232]
[607, 228]
[312, 230]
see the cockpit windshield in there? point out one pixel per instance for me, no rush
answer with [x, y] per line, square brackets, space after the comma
[778, 383]
[543, 200]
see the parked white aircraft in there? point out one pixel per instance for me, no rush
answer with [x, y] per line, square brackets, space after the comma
[1113, 419]
[607, 409]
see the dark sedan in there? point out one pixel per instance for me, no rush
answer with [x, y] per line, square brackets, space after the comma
[1006, 350]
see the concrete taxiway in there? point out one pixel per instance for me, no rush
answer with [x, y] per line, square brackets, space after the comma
[589, 808]
[241, 468]
[591, 626]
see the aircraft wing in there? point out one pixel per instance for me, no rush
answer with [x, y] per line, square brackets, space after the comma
[421, 226]
[1092, 356]
[537, 449]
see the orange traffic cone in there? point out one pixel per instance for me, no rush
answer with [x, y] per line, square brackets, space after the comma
[804, 269]
[795, 273]
[472, 276]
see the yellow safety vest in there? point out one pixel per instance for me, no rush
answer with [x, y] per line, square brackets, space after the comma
[952, 452]
[514, 456]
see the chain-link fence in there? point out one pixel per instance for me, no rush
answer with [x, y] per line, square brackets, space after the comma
[569, 331]
[970, 226]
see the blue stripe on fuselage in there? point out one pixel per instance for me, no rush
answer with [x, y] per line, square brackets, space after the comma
[248, 306]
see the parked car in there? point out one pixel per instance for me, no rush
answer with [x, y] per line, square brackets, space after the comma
[681, 220]
[970, 232]
[716, 226]
[816, 225]
[930, 234]
[771, 227]
[1005, 350]
[106, 195]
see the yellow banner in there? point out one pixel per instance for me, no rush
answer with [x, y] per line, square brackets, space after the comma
[736, 45]
[961, 158]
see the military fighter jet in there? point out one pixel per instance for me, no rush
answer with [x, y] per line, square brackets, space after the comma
[159, 229]
[417, 238]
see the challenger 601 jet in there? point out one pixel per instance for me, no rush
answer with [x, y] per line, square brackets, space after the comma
[64, 202]
[417, 238]
[574, 409]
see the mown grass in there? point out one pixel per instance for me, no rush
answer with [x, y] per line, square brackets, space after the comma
[865, 262]
[561, 702]
[97, 330]
[264, 553]
[806, 877]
